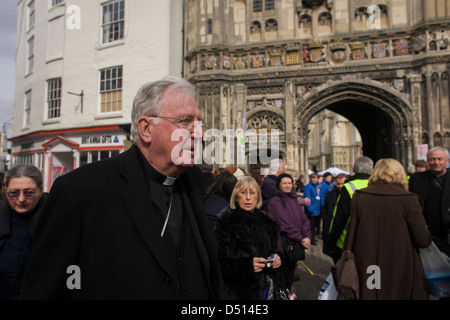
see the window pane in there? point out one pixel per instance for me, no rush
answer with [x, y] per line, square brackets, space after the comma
[83, 158]
[104, 154]
[257, 5]
[27, 114]
[113, 24]
[54, 98]
[209, 27]
[270, 4]
[30, 55]
[31, 47]
[111, 90]
[56, 2]
[94, 156]
[114, 153]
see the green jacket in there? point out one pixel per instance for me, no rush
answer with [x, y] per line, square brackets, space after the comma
[341, 214]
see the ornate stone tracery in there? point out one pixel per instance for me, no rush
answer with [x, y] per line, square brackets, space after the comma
[265, 120]
[291, 71]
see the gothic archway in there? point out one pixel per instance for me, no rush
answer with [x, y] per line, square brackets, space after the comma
[383, 117]
[267, 119]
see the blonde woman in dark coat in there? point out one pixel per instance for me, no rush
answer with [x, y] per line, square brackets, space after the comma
[388, 228]
[247, 237]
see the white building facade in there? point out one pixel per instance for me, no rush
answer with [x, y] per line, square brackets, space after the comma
[79, 64]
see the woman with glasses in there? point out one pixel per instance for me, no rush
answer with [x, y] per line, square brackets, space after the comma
[19, 212]
[248, 251]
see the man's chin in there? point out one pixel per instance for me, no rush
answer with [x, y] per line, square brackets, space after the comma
[438, 172]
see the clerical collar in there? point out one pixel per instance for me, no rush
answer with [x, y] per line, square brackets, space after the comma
[169, 181]
[440, 174]
[154, 174]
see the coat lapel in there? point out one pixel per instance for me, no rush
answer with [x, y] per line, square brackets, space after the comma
[144, 213]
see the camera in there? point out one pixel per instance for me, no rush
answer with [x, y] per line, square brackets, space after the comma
[269, 261]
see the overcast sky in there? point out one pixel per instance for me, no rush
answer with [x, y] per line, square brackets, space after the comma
[8, 17]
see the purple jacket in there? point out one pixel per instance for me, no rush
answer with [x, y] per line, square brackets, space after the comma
[293, 222]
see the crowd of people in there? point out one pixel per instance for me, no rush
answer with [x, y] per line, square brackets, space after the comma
[143, 226]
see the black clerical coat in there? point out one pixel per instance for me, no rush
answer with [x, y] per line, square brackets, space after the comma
[100, 219]
[422, 183]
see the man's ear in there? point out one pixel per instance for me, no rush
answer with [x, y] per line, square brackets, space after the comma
[144, 126]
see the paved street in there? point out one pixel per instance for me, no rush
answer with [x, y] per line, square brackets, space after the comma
[312, 273]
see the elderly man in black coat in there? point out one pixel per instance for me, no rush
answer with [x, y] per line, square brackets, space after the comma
[433, 186]
[134, 226]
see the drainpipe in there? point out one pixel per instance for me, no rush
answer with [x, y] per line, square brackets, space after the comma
[183, 37]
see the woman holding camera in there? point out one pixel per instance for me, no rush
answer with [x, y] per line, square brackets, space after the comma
[248, 251]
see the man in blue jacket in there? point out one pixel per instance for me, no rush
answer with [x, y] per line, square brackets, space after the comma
[325, 186]
[312, 192]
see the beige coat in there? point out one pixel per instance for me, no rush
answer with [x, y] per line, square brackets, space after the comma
[389, 228]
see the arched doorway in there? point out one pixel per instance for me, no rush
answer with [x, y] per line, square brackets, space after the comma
[382, 116]
[333, 141]
[375, 126]
[264, 121]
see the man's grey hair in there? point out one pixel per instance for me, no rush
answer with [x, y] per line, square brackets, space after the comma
[363, 164]
[438, 148]
[149, 97]
[25, 170]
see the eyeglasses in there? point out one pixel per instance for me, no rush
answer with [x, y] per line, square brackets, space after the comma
[15, 194]
[244, 193]
[187, 123]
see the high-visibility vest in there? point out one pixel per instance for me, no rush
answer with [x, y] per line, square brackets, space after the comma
[351, 187]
